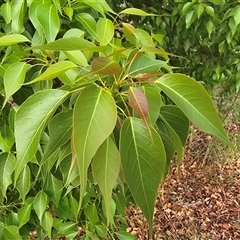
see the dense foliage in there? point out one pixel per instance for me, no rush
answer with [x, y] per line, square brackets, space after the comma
[84, 126]
[205, 33]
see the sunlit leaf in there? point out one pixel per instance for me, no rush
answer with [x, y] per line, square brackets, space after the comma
[94, 119]
[48, 18]
[54, 71]
[67, 44]
[143, 64]
[88, 23]
[191, 97]
[12, 39]
[17, 12]
[30, 121]
[13, 78]
[105, 31]
[24, 214]
[136, 11]
[143, 161]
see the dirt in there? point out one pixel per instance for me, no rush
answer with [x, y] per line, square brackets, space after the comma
[204, 203]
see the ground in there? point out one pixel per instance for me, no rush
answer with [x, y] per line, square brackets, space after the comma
[204, 203]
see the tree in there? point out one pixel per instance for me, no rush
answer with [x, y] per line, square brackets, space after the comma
[83, 121]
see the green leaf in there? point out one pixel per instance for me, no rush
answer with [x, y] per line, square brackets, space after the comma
[105, 66]
[136, 11]
[77, 57]
[12, 39]
[67, 228]
[139, 103]
[177, 120]
[24, 214]
[237, 15]
[11, 232]
[40, 203]
[17, 16]
[105, 31]
[30, 120]
[91, 214]
[143, 163]
[209, 10]
[13, 79]
[23, 183]
[47, 222]
[154, 103]
[54, 71]
[60, 130]
[94, 118]
[144, 64]
[106, 167]
[122, 235]
[101, 231]
[7, 138]
[94, 4]
[6, 10]
[66, 44]
[7, 165]
[191, 97]
[88, 23]
[187, 6]
[48, 18]
[200, 9]
[53, 189]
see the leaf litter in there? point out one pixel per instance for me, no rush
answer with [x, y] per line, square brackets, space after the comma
[204, 203]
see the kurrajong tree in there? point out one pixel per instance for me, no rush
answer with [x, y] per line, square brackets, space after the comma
[84, 128]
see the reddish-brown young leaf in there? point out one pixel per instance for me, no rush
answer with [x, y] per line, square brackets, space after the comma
[138, 101]
[105, 66]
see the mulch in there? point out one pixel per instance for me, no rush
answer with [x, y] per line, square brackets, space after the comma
[203, 203]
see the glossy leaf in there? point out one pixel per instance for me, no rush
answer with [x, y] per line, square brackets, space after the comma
[106, 167]
[13, 79]
[11, 232]
[143, 64]
[6, 10]
[60, 130]
[67, 44]
[88, 23]
[143, 161]
[105, 66]
[24, 214]
[7, 165]
[136, 11]
[105, 31]
[54, 71]
[17, 11]
[194, 101]
[139, 103]
[40, 204]
[12, 39]
[49, 20]
[23, 183]
[47, 222]
[30, 121]
[94, 119]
